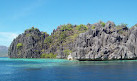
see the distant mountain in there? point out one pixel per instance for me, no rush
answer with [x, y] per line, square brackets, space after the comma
[3, 51]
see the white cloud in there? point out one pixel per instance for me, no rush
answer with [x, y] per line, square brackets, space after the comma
[7, 37]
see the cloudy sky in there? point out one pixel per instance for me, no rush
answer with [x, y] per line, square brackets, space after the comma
[18, 15]
[7, 37]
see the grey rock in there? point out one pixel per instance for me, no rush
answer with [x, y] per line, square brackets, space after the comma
[101, 43]
[105, 44]
[30, 45]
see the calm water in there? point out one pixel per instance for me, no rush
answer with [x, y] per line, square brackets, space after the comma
[64, 70]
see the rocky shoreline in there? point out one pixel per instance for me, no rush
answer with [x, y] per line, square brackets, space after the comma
[99, 41]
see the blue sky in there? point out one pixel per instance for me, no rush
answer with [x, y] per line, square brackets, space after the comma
[18, 15]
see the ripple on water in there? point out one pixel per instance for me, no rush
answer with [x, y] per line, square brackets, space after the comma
[60, 69]
[38, 63]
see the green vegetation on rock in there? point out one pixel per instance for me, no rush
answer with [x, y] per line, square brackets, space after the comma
[93, 27]
[32, 29]
[48, 40]
[64, 35]
[77, 40]
[28, 35]
[19, 45]
[122, 25]
[50, 55]
[81, 27]
[45, 33]
[103, 24]
[42, 50]
[66, 27]
[67, 52]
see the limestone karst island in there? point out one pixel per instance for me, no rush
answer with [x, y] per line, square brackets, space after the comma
[99, 41]
[68, 40]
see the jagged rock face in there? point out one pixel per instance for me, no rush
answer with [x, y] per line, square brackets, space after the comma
[99, 42]
[105, 43]
[30, 44]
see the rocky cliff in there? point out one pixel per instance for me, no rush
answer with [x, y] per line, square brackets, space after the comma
[99, 41]
[106, 43]
[28, 44]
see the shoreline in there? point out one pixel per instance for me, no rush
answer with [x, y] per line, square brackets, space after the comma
[85, 60]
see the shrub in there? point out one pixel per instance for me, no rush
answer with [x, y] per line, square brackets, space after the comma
[122, 32]
[66, 27]
[81, 27]
[72, 37]
[45, 33]
[103, 24]
[67, 52]
[48, 39]
[28, 35]
[42, 50]
[62, 36]
[19, 45]
[42, 55]
[32, 29]
[122, 25]
[93, 27]
[50, 55]
[36, 29]
[36, 50]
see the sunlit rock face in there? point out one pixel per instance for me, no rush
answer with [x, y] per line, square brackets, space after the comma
[27, 45]
[102, 41]
[106, 43]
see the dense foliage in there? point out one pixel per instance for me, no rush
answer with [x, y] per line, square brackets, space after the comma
[103, 24]
[67, 52]
[32, 29]
[81, 27]
[50, 55]
[19, 45]
[64, 32]
[93, 27]
[67, 27]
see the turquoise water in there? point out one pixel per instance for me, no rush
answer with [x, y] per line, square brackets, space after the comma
[64, 70]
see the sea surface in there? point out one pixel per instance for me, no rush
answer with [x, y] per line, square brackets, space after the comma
[64, 70]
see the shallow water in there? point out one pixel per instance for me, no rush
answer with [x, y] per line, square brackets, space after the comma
[64, 70]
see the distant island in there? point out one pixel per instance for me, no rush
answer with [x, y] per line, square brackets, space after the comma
[99, 41]
[3, 51]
